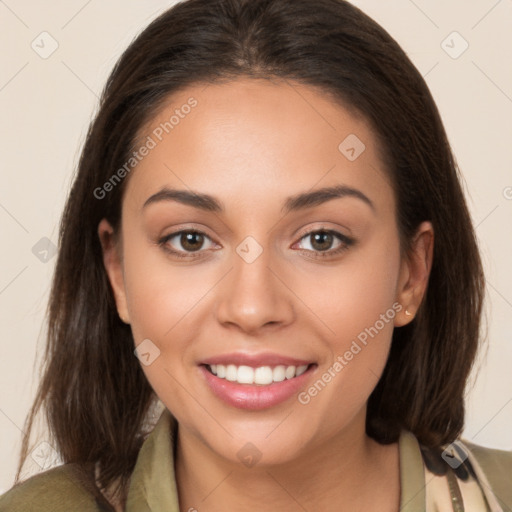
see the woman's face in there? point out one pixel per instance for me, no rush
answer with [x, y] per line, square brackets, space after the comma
[279, 279]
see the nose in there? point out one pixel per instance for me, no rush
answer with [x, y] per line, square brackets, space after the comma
[254, 296]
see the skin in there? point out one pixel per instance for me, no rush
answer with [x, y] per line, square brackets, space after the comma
[252, 144]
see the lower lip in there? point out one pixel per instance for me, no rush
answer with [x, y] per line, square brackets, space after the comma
[247, 396]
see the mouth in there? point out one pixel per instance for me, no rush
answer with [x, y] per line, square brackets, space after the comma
[256, 385]
[259, 376]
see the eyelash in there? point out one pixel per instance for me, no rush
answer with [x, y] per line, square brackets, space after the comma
[346, 242]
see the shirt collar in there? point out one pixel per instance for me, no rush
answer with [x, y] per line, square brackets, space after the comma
[153, 481]
[412, 474]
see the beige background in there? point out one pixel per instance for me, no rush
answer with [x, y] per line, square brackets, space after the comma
[46, 105]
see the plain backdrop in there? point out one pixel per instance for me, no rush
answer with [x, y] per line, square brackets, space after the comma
[463, 49]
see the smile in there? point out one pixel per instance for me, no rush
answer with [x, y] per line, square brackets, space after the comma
[256, 387]
[261, 376]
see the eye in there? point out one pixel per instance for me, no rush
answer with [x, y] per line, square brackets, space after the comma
[190, 241]
[321, 242]
[183, 244]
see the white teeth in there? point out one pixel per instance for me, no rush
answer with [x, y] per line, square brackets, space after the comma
[279, 373]
[263, 375]
[245, 375]
[290, 372]
[301, 370]
[231, 372]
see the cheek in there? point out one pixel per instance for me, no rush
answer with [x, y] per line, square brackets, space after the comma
[358, 304]
[162, 300]
[352, 296]
[168, 303]
[160, 294]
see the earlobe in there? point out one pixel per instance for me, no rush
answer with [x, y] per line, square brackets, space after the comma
[414, 273]
[113, 266]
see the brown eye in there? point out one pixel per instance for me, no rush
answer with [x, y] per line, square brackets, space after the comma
[185, 243]
[191, 241]
[321, 243]
[321, 240]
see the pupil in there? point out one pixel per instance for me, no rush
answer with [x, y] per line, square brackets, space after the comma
[187, 241]
[320, 237]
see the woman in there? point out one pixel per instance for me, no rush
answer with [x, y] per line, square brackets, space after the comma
[262, 246]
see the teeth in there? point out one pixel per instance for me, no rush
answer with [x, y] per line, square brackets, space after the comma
[263, 375]
[290, 372]
[301, 370]
[279, 373]
[245, 375]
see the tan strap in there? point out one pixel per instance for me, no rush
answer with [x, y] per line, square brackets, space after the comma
[447, 491]
[482, 480]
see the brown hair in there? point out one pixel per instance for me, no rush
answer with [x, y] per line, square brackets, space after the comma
[93, 391]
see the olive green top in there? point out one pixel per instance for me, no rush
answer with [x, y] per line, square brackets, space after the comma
[153, 483]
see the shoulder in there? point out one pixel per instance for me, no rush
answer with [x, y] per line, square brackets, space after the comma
[56, 490]
[491, 457]
[497, 467]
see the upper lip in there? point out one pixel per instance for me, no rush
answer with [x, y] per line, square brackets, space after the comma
[255, 360]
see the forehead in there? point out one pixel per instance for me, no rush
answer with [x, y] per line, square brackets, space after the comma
[246, 138]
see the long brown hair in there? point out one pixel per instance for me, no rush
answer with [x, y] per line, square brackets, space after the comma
[93, 391]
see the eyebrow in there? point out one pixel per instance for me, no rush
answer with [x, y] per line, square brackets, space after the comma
[297, 202]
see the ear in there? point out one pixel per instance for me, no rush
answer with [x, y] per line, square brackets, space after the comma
[112, 261]
[414, 273]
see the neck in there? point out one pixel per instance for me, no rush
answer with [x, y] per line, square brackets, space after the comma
[348, 471]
